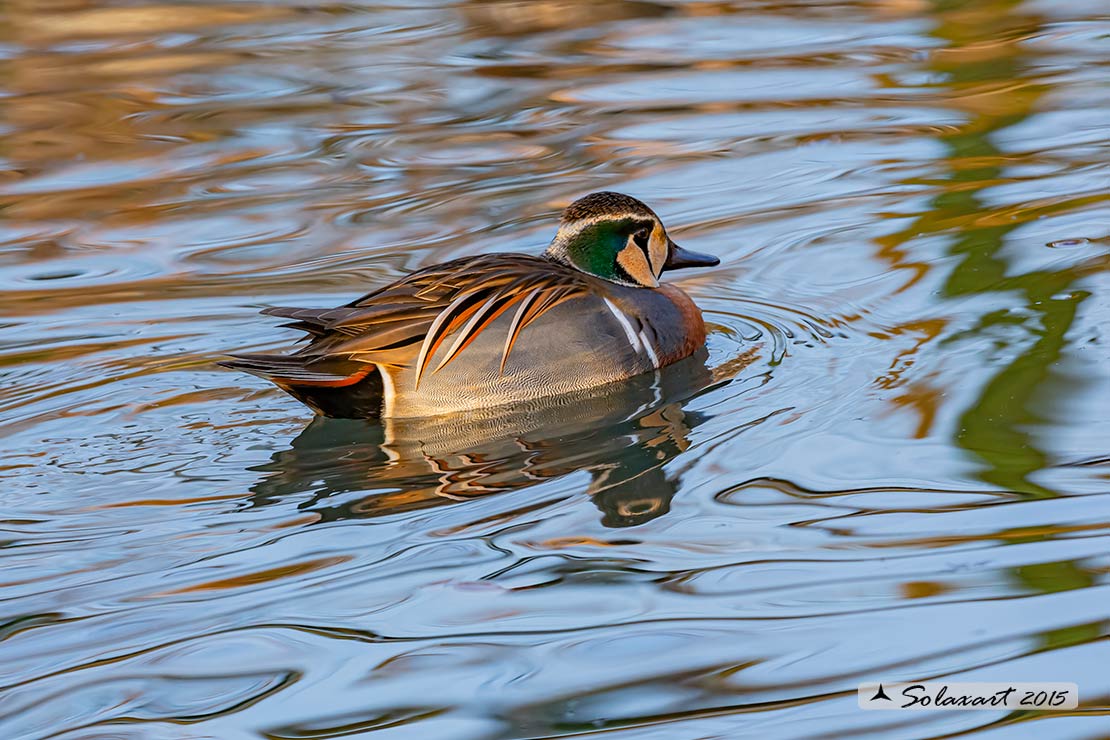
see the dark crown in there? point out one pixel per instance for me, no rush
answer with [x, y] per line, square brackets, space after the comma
[604, 204]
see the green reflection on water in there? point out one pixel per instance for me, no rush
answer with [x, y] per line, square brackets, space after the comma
[994, 427]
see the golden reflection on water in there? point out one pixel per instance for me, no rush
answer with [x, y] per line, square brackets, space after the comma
[891, 464]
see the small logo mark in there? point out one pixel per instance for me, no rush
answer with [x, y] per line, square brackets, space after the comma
[880, 694]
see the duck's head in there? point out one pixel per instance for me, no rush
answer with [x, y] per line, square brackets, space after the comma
[618, 238]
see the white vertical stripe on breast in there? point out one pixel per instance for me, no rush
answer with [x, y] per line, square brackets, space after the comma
[639, 342]
[649, 349]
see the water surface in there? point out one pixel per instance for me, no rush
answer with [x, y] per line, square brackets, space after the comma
[893, 463]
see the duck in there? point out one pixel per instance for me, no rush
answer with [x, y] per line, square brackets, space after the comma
[496, 329]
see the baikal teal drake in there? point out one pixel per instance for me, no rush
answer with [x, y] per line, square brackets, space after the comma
[498, 329]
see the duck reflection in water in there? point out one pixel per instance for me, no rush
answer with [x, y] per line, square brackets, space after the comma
[622, 435]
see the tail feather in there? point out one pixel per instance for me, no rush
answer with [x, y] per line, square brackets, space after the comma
[301, 369]
[309, 328]
[313, 321]
[329, 385]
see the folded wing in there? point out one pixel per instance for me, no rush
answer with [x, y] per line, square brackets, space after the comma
[406, 323]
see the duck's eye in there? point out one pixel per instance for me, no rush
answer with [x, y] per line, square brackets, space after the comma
[641, 238]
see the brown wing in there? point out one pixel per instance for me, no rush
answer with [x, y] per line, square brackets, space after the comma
[409, 320]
